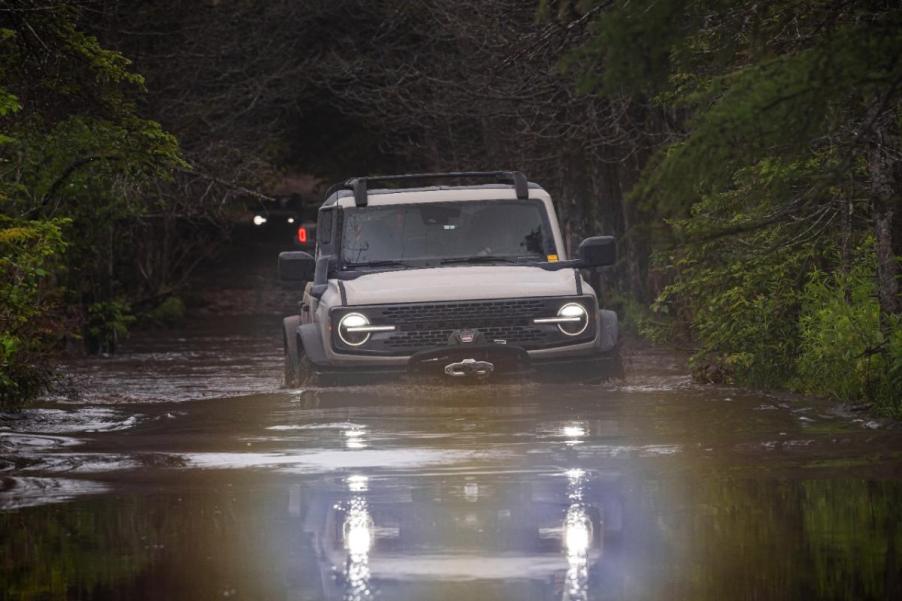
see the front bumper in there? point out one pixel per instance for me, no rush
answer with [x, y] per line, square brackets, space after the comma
[507, 363]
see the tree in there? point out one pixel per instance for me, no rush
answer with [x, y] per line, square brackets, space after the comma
[74, 158]
[788, 162]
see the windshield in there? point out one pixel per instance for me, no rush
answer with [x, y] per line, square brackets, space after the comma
[446, 232]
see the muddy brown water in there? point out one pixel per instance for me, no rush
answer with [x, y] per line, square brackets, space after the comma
[183, 471]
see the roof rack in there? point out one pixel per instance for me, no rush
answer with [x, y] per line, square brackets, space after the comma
[359, 185]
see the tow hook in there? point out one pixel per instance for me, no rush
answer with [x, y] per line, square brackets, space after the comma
[469, 367]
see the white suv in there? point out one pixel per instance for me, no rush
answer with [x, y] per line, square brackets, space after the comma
[456, 281]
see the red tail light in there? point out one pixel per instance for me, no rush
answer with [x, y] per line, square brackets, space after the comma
[302, 235]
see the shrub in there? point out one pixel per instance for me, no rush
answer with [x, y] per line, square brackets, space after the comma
[107, 324]
[29, 324]
[843, 352]
[744, 315]
[170, 312]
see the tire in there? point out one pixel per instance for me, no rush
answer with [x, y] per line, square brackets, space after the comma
[292, 351]
[306, 375]
[610, 331]
[298, 367]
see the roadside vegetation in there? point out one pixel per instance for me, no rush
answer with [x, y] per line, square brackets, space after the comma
[74, 159]
[97, 212]
[748, 156]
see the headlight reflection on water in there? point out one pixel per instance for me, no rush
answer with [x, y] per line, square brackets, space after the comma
[357, 532]
[357, 483]
[574, 433]
[355, 438]
[577, 538]
[576, 481]
[577, 532]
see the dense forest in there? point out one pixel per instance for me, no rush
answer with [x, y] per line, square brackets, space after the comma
[747, 155]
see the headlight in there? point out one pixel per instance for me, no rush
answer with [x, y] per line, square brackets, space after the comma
[577, 319]
[572, 319]
[354, 329]
[349, 329]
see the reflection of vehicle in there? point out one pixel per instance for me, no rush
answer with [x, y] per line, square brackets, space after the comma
[460, 281]
[379, 536]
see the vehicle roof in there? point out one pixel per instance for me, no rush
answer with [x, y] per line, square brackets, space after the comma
[389, 196]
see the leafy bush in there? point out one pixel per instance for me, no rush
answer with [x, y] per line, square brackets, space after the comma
[843, 352]
[653, 324]
[107, 324]
[29, 252]
[75, 150]
[168, 313]
[741, 293]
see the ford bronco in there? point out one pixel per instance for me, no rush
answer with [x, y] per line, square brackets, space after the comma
[465, 281]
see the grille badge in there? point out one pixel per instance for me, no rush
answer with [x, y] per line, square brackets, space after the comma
[466, 336]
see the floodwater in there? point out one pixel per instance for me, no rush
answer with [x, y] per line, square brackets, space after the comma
[183, 471]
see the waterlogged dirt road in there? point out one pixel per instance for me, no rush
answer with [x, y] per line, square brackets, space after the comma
[183, 471]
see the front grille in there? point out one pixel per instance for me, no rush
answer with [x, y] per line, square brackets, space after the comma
[424, 326]
[473, 314]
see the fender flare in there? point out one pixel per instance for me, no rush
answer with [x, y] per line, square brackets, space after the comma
[312, 343]
[289, 331]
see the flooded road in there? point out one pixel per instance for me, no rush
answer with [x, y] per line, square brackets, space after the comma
[183, 471]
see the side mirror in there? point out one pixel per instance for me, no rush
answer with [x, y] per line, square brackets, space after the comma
[597, 251]
[296, 266]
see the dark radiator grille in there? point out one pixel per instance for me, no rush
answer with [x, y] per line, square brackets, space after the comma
[424, 326]
[460, 314]
[422, 339]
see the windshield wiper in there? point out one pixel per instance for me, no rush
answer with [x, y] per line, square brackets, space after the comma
[386, 263]
[482, 259]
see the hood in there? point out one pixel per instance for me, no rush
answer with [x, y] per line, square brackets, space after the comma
[470, 282]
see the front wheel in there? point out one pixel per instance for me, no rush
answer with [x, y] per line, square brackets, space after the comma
[298, 370]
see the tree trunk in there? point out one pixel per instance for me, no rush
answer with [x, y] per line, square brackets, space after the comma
[887, 262]
[886, 194]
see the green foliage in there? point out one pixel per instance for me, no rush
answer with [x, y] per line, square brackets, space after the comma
[739, 276]
[30, 251]
[778, 108]
[630, 48]
[744, 315]
[843, 352]
[58, 67]
[785, 116]
[169, 313]
[637, 319]
[767, 300]
[74, 141]
[73, 150]
[107, 324]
